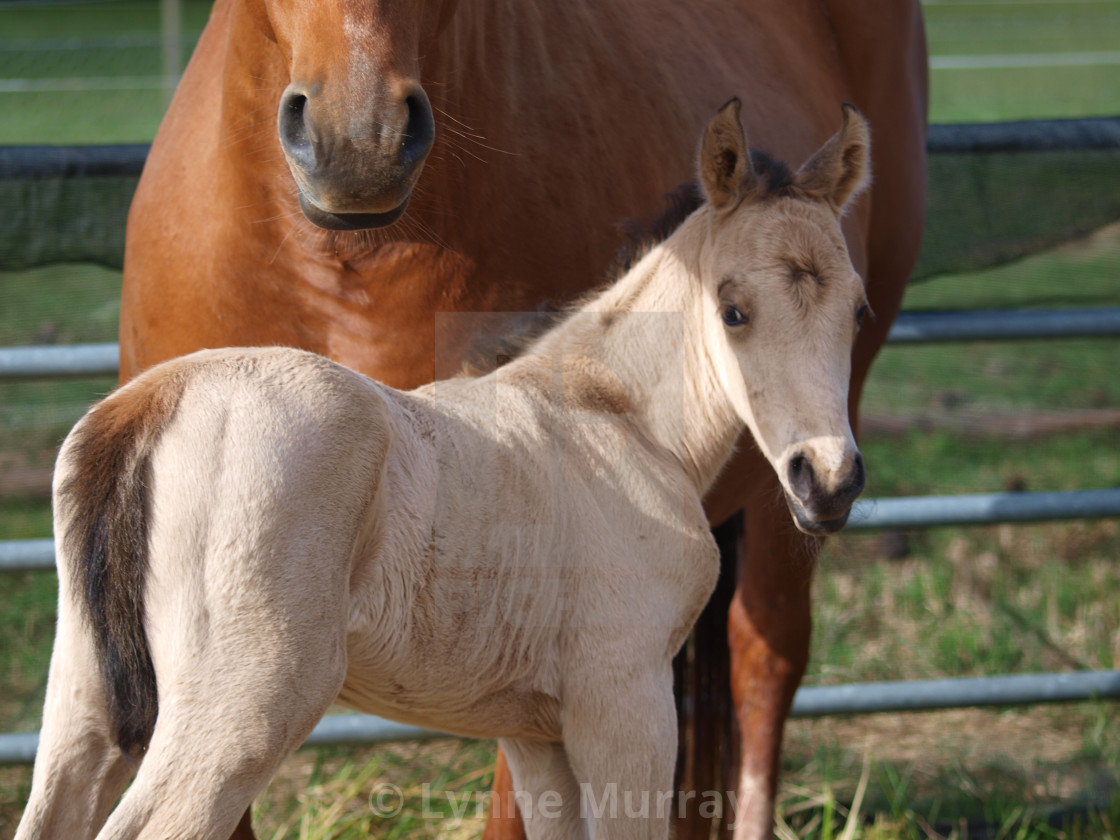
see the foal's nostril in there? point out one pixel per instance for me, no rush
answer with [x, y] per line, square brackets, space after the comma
[801, 476]
[293, 130]
[854, 482]
[859, 475]
[420, 131]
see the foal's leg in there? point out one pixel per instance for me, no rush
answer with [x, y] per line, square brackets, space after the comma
[542, 791]
[503, 823]
[620, 734]
[79, 770]
[251, 660]
[217, 743]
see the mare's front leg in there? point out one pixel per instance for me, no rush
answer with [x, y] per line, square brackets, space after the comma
[244, 830]
[769, 626]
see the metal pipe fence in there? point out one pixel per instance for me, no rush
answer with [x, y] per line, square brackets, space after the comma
[872, 514]
[909, 328]
[43, 362]
[905, 513]
[809, 702]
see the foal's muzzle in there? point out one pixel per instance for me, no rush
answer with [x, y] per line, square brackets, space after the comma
[820, 506]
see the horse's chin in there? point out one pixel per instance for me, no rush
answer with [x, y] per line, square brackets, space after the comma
[815, 527]
[349, 221]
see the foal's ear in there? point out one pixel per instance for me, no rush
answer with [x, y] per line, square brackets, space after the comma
[725, 164]
[841, 168]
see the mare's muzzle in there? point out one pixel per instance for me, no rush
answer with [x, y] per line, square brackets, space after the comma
[354, 171]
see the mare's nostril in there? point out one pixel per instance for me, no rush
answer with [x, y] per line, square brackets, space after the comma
[419, 132]
[801, 476]
[293, 130]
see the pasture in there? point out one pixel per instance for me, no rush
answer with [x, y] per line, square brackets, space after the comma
[945, 602]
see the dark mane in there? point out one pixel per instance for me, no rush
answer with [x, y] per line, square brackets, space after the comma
[512, 338]
[775, 176]
[641, 235]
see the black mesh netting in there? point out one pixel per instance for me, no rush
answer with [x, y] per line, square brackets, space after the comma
[65, 204]
[1003, 191]
[996, 193]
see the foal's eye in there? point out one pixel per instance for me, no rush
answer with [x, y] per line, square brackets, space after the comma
[733, 317]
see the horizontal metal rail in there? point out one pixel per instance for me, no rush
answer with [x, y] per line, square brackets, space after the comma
[41, 362]
[336, 730]
[27, 555]
[909, 513]
[32, 162]
[47, 362]
[931, 695]
[1006, 325]
[810, 701]
[982, 509]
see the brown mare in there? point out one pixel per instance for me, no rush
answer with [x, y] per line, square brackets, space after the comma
[515, 112]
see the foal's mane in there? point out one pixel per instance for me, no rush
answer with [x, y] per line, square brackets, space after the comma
[643, 235]
[640, 236]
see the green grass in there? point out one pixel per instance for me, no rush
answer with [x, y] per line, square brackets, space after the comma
[94, 21]
[27, 627]
[49, 306]
[1081, 273]
[1061, 374]
[1032, 93]
[34, 41]
[998, 28]
[28, 603]
[980, 28]
[988, 463]
[994, 600]
[957, 601]
[124, 116]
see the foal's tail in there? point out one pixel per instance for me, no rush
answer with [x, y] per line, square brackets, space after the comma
[101, 514]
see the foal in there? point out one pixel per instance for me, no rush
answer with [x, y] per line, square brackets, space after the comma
[246, 536]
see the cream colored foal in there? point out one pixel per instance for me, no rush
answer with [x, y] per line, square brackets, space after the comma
[246, 536]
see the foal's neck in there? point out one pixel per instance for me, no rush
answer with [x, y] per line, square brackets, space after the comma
[648, 331]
